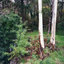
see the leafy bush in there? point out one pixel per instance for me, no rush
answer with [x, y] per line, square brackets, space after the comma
[7, 34]
[11, 33]
[20, 42]
[47, 61]
[38, 61]
[60, 26]
[32, 24]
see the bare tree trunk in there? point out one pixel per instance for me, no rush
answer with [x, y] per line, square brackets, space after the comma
[12, 0]
[40, 28]
[1, 7]
[53, 29]
[49, 25]
[37, 11]
[34, 10]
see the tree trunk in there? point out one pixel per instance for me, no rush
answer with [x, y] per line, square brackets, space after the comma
[61, 9]
[12, 0]
[49, 25]
[22, 9]
[37, 11]
[53, 29]
[34, 10]
[41, 39]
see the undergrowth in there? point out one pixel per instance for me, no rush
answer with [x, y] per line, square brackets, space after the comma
[55, 57]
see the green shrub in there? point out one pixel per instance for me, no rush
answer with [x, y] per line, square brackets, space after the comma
[20, 42]
[7, 34]
[38, 61]
[47, 61]
[60, 26]
[11, 32]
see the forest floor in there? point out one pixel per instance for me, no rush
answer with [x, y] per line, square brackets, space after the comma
[55, 57]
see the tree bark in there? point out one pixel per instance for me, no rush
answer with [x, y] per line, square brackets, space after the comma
[40, 24]
[12, 0]
[41, 39]
[22, 9]
[53, 29]
[49, 25]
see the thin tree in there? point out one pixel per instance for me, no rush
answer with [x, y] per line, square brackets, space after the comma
[12, 0]
[49, 25]
[41, 39]
[53, 29]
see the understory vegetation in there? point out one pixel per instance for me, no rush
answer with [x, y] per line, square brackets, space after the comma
[19, 35]
[24, 47]
[55, 57]
[12, 37]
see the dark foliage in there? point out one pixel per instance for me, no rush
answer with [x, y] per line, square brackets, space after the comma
[8, 30]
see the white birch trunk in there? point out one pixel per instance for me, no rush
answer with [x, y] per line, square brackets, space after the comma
[12, 1]
[40, 23]
[1, 4]
[53, 29]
